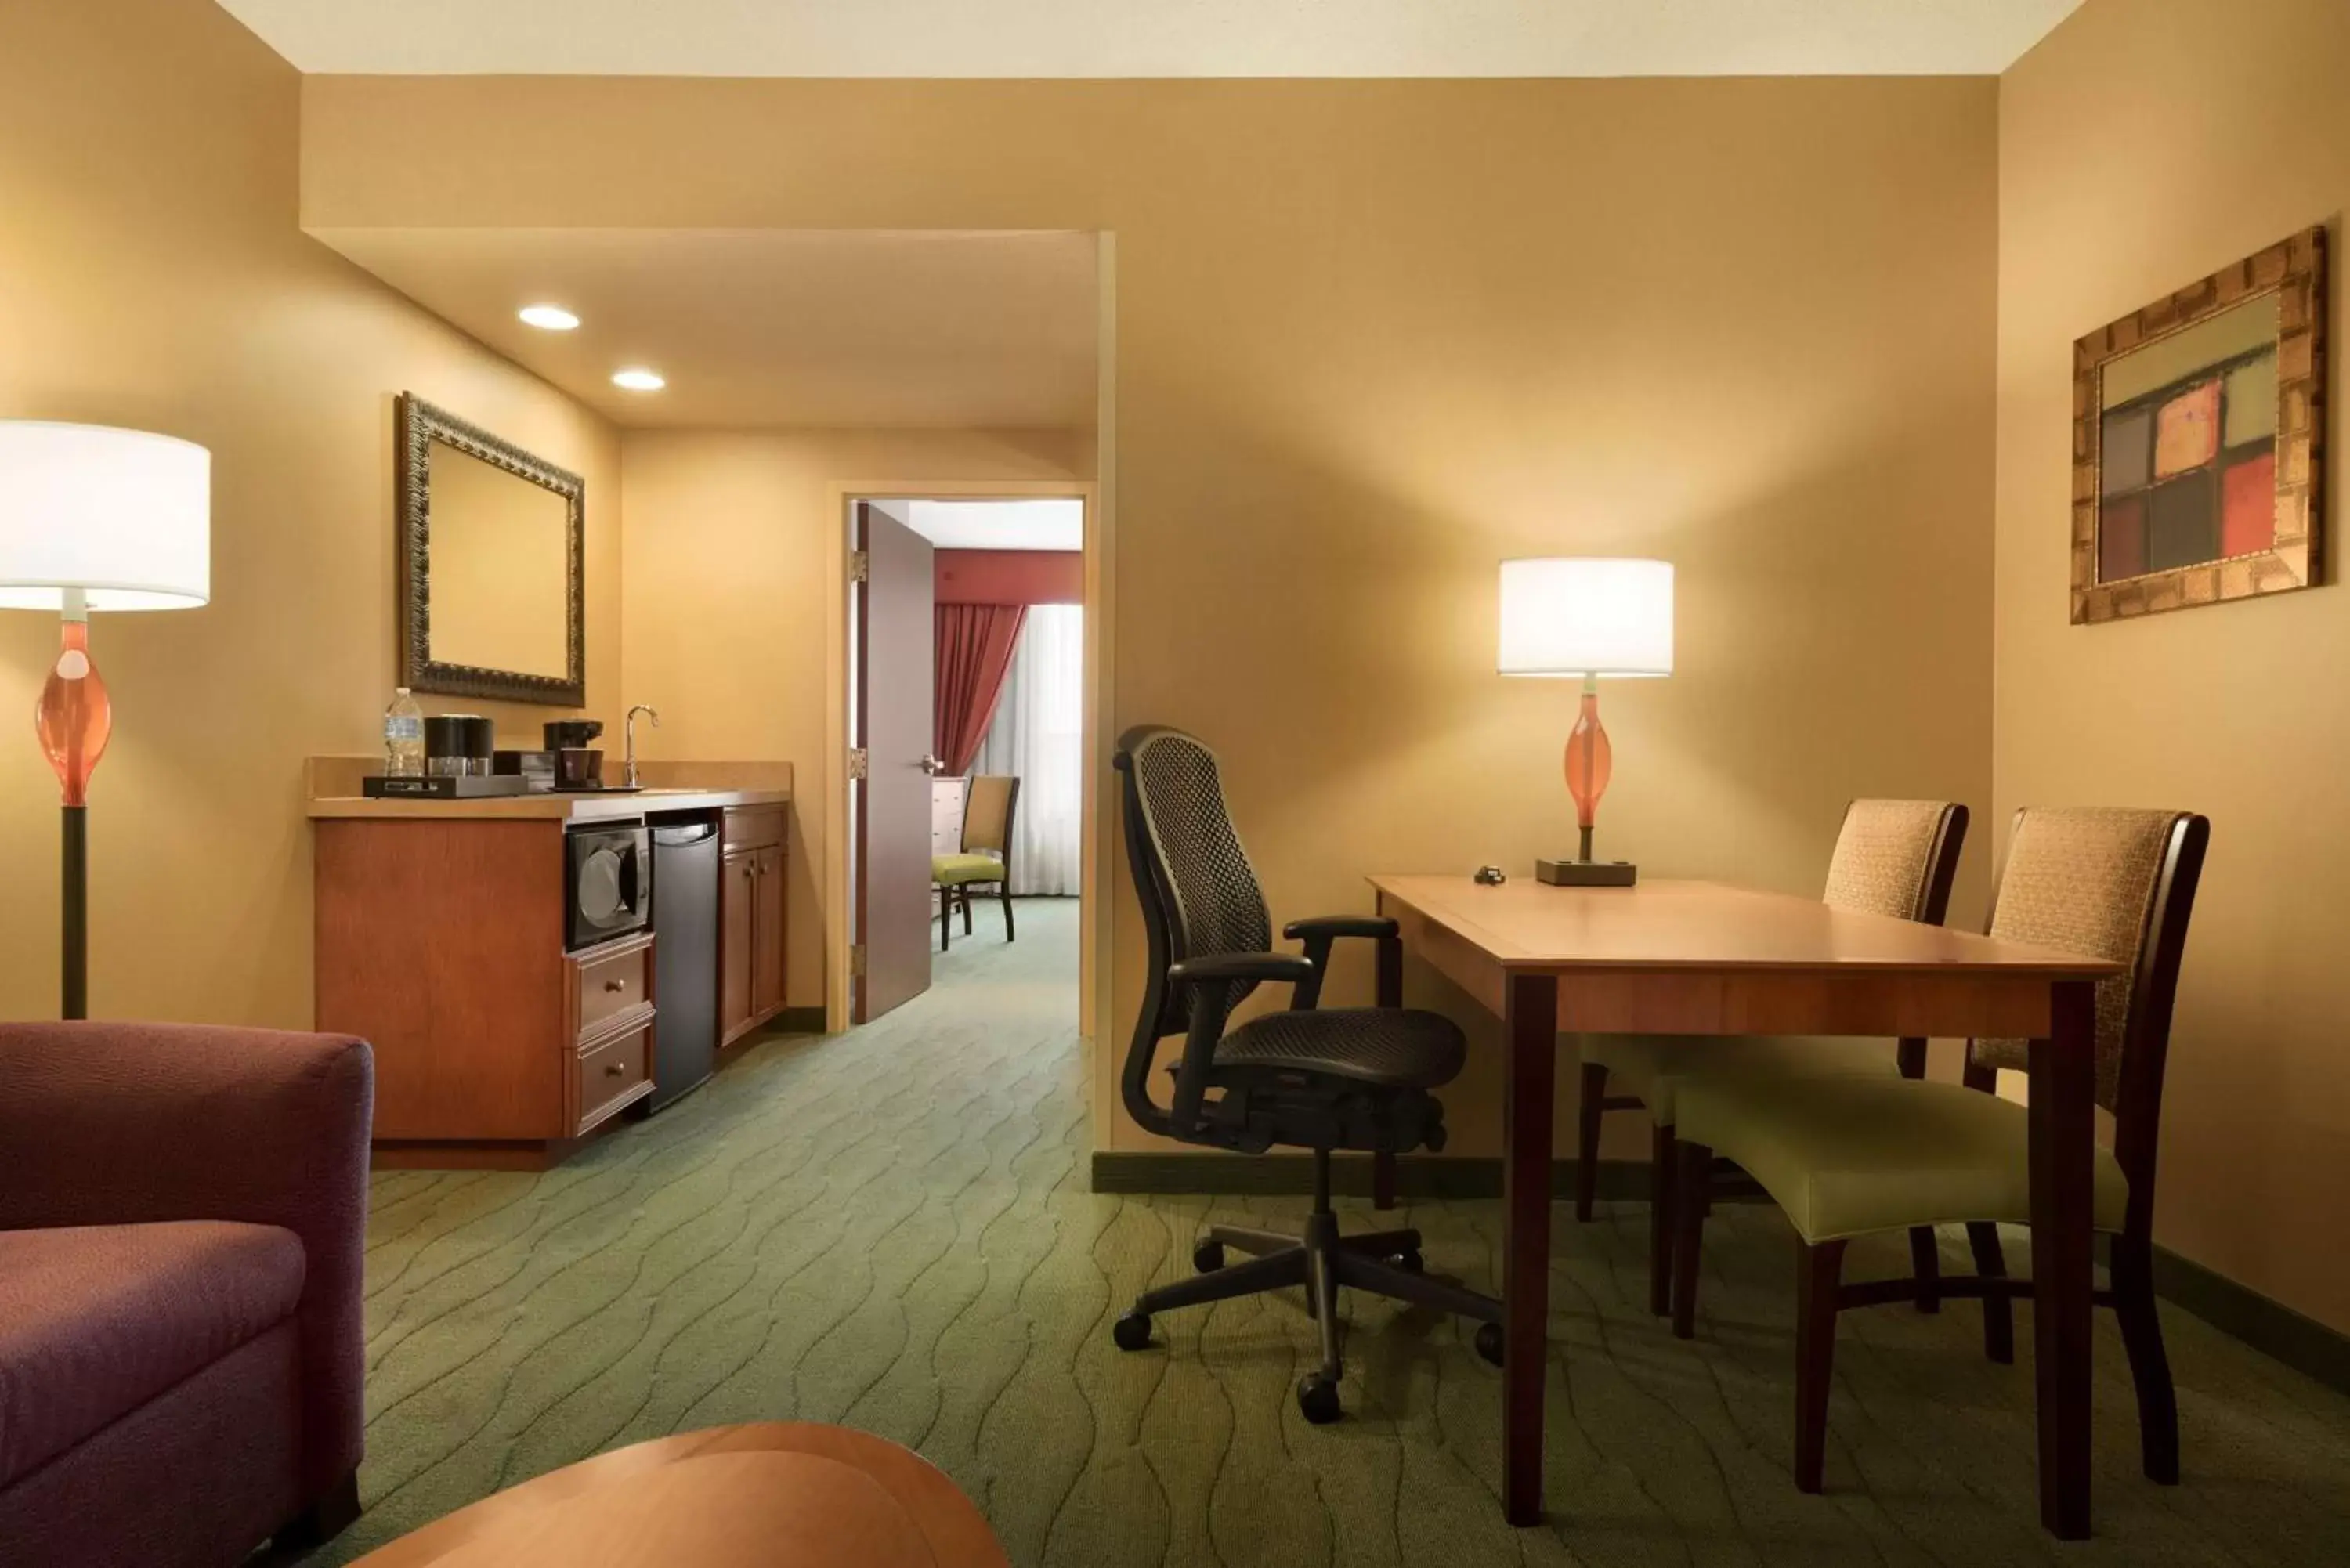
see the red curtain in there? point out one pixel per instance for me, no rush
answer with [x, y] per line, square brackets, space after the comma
[975, 645]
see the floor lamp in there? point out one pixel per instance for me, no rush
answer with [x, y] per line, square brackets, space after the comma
[93, 518]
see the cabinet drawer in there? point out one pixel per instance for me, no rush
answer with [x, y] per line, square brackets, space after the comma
[611, 984]
[752, 828]
[610, 1072]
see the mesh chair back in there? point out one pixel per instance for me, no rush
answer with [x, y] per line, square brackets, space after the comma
[1200, 893]
[2094, 880]
[1897, 857]
[987, 806]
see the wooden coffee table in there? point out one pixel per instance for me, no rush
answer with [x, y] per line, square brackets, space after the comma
[776, 1494]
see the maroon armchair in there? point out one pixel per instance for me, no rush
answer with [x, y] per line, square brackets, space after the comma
[182, 1224]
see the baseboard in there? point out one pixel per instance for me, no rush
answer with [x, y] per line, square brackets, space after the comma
[795, 1021]
[1281, 1175]
[2269, 1326]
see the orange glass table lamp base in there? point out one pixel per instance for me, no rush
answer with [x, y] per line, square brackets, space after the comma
[74, 720]
[1588, 763]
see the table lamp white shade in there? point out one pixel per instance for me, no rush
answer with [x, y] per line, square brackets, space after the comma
[1586, 615]
[124, 517]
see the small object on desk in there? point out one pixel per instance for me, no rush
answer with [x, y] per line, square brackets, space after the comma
[1589, 616]
[1586, 873]
[444, 786]
[1491, 876]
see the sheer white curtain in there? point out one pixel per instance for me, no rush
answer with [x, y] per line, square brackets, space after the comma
[1037, 735]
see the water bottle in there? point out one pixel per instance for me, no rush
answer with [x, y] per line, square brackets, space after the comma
[403, 737]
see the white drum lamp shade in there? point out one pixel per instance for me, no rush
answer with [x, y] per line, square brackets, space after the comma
[1586, 615]
[124, 517]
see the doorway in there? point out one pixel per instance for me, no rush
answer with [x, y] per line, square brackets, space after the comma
[968, 700]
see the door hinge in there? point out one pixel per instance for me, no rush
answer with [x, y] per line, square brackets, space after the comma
[857, 961]
[856, 762]
[860, 565]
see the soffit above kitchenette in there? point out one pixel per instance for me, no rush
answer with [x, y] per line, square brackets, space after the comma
[763, 328]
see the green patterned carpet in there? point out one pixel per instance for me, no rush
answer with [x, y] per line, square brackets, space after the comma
[892, 1228]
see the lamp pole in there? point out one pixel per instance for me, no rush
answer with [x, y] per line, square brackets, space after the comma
[74, 720]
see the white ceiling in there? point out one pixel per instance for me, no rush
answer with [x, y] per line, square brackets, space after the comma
[996, 524]
[1155, 38]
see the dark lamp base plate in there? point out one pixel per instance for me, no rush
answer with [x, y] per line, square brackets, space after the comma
[1586, 873]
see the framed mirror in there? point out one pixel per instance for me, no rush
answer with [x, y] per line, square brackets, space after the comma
[491, 565]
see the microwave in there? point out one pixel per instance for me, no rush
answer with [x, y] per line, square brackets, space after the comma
[607, 883]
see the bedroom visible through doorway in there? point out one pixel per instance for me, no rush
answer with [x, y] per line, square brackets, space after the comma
[968, 640]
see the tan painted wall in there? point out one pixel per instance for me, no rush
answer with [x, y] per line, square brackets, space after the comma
[2144, 144]
[152, 274]
[1373, 337]
[727, 539]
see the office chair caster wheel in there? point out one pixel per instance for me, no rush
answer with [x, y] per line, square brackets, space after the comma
[1411, 1261]
[1489, 1342]
[1208, 1257]
[1317, 1398]
[1132, 1331]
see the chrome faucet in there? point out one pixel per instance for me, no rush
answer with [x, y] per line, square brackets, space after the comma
[629, 734]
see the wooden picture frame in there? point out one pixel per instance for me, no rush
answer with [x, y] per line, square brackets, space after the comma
[2192, 483]
[418, 425]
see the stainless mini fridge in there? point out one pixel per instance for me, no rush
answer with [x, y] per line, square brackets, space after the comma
[685, 958]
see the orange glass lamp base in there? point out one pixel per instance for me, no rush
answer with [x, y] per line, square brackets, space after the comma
[74, 717]
[1588, 763]
[74, 720]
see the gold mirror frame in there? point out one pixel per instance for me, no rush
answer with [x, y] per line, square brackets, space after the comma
[2294, 270]
[417, 424]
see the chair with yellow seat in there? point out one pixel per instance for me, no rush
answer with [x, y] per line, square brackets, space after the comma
[1892, 858]
[986, 855]
[1848, 1156]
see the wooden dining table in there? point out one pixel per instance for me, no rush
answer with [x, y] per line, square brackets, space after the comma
[1703, 958]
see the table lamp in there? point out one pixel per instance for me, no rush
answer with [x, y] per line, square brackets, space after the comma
[93, 518]
[1588, 615]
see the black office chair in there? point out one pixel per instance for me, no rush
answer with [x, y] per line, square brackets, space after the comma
[1318, 1078]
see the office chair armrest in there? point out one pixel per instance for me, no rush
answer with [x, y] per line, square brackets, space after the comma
[1210, 968]
[1213, 977]
[1323, 927]
[1321, 933]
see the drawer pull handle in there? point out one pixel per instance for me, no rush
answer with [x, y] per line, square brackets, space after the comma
[616, 985]
[615, 1070]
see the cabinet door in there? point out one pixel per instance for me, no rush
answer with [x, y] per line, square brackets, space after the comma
[737, 921]
[768, 932]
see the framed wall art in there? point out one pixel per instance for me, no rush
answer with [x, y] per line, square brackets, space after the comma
[2198, 433]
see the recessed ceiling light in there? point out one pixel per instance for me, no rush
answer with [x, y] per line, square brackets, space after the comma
[553, 318]
[637, 379]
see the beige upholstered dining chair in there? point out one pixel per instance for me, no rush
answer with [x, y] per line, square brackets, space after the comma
[986, 854]
[1892, 858]
[1848, 1156]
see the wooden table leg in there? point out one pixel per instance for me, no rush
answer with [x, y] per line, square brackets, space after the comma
[2064, 1076]
[1526, 1104]
[1388, 993]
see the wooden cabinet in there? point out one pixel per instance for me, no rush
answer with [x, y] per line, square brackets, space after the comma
[767, 931]
[751, 921]
[737, 897]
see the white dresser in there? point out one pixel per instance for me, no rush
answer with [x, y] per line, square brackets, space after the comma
[946, 815]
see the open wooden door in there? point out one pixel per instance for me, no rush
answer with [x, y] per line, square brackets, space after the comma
[891, 805]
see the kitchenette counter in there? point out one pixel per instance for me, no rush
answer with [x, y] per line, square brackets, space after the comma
[566, 806]
[333, 791]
